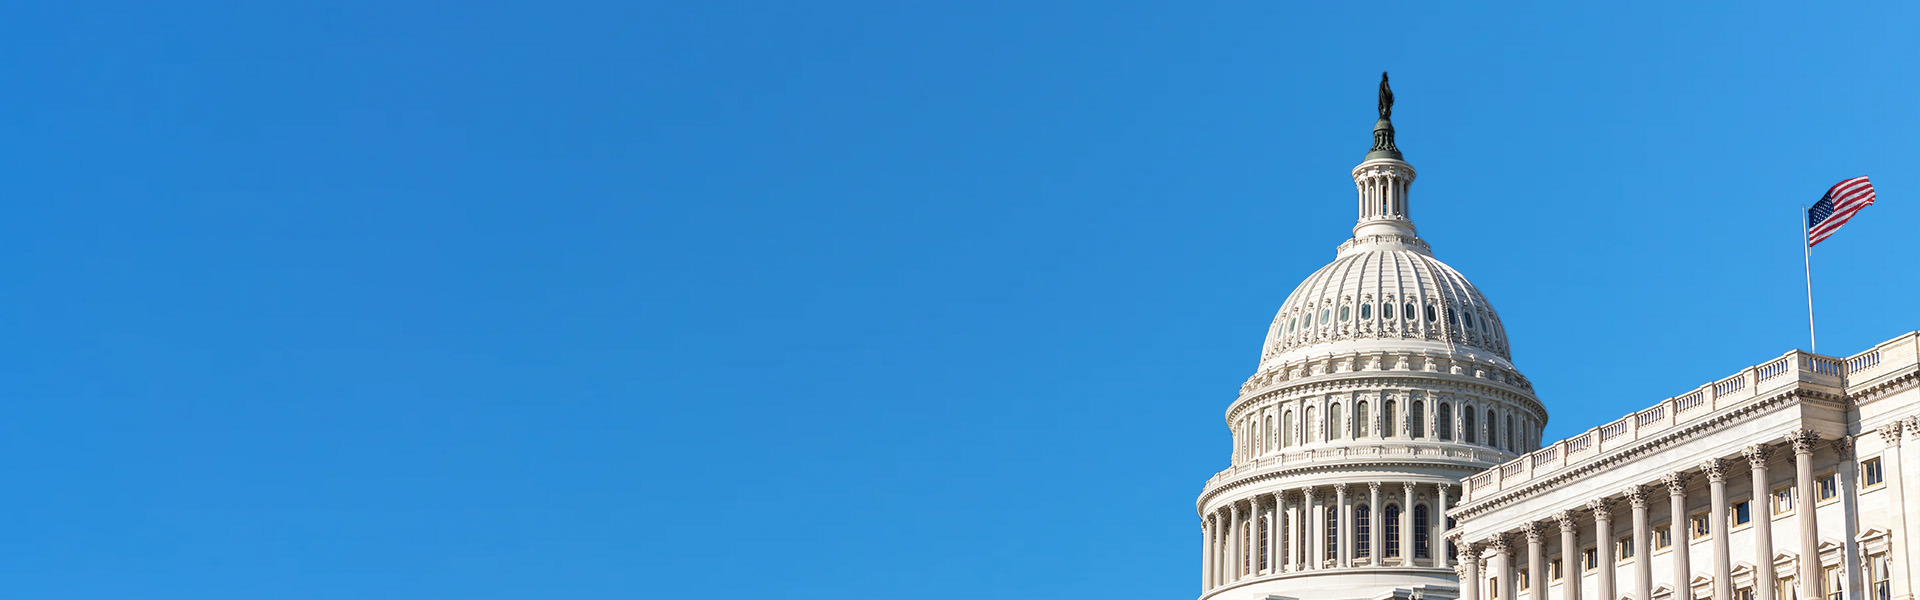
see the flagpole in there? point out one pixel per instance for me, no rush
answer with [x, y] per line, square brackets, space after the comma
[1807, 256]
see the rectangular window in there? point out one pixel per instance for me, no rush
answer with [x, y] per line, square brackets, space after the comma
[1590, 559]
[1553, 569]
[1741, 513]
[1662, 536]
[1829, 486]
[1783, 500]
[1830, 581]
[1702, 526]
[1743, 594]
[1878, 574]
[1870, 472]
[1524, 582]
[1493, 588]
[1788, 590]
[1623, 548]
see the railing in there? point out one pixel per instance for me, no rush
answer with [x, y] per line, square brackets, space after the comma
[1729, 385]
[1869, 359]
[1773, 369]
[1690, 401]
[1749, 385]
[1546, 455]
[1651, 416]
[1613, 430]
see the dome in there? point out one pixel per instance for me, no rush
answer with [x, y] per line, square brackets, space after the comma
[1377, 295]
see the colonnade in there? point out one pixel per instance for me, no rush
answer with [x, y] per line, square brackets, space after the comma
[1335, 526]
[1496, 552]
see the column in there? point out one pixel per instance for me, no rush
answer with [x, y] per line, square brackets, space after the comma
[1233, 541]
[1642, 545]
[1761, 507]
[1569, 554]
[1682, 538]
[1406, 527]
[1536, 560]
[1469, 569]
[1716, 471]
[1603, 543]
[1273, 535]
[1803, 441]
[1206, 553]
[1343, 530]
[1376, 552]
[1293, 536]
[1890, 462]
[1315, 535]
[1439, 524]
[1502, 565]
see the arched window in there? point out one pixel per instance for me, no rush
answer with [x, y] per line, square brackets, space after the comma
[1306, 427]
[1417, 421]
[1363, 529]
[1510, 444]
[1386, 310]
[1393, 531]
[1493, 439]
[1466, 424]
[1333, 421]
[1388, 424]
[1366, 312]
[1268, 440]
[1420, 530]
[1286, 429]
[1360, 420]
[1265, 525]
[1333, 531]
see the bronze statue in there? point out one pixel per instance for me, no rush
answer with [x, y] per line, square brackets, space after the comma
[1386, 97]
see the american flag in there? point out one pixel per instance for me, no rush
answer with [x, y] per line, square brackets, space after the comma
[1833, 209]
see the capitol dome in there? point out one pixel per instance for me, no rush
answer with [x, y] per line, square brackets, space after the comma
[1384, 293]
[1384, 379]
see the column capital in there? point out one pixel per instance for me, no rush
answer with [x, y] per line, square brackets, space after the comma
[1569, 521]
[1443, 487]
[1891, 433]
[1602, 509]
[1716, 470]
[1637, 496]
[1341, 489]
[1373, 486]
[1913, 423]
[1843, 446]
[1499, 544]
[1803, 440]
[1757, 455]
[1535, 533]
[1676, 483]
[1307, 493]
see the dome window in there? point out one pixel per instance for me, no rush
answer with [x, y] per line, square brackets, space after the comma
[1410, 312]
[1431, 315]
[1324, 314]
[1309, 323]
[1386, 310]
[1366, 312]
[1346, 312]
[1295, 322]
[1468, 317]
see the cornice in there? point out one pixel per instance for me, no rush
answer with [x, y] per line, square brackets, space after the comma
[1368, 380]
[1672, 437]
[1357, 476]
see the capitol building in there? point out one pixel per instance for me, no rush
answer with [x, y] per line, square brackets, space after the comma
[1387, 446]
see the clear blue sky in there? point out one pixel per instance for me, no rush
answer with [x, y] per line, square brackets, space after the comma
[823, 301]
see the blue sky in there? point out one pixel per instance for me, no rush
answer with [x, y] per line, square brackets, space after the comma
[827, 300]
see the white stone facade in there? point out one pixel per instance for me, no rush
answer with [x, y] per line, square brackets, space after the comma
[1384, 380]
[1787, 478]
[1386, 403]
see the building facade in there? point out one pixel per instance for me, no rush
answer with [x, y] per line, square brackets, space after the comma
[1387, 447]
[1784, 481]
[1384, 380]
